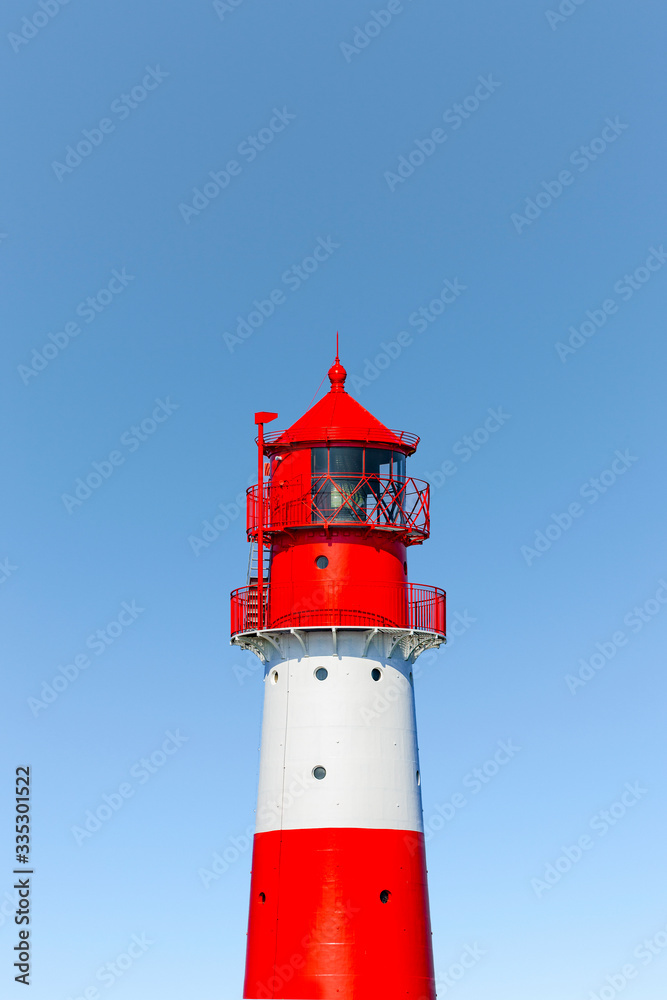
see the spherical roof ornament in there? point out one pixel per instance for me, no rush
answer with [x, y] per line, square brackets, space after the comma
[337, 373]
[337, 376]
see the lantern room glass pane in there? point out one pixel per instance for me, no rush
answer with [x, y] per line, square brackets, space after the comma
[348, 461]
[338, 493]
[320, 461]
[358, 462]
[398, 466]
[378, 462]
[358, 484]
[385, 464]
[385, 475]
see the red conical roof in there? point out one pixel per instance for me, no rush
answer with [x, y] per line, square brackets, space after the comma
[339, 418]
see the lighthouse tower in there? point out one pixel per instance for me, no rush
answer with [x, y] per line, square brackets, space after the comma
[338, 899]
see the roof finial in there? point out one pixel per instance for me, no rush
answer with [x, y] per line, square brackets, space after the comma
[337, 373]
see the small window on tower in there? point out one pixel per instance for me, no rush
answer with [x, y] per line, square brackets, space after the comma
[321, 562]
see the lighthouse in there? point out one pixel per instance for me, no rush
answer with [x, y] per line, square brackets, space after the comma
[338, 897]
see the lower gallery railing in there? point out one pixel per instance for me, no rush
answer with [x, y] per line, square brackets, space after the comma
[408, 605]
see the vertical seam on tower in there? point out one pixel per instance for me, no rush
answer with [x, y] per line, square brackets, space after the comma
[282, 805]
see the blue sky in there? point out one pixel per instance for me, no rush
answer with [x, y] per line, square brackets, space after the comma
[485, 184]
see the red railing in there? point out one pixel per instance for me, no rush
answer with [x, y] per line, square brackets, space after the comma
[409, 605]
[356, 434]
[377, 501]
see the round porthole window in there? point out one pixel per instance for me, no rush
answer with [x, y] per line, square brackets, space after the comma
[321, 562]
[376, 674]
[419, 778]
[321, 673]
[384, 896]
[274, 676]
[319, 772]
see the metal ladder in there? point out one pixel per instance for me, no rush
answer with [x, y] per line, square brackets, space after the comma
[252, 584]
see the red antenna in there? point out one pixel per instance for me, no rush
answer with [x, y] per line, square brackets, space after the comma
[336, 362]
